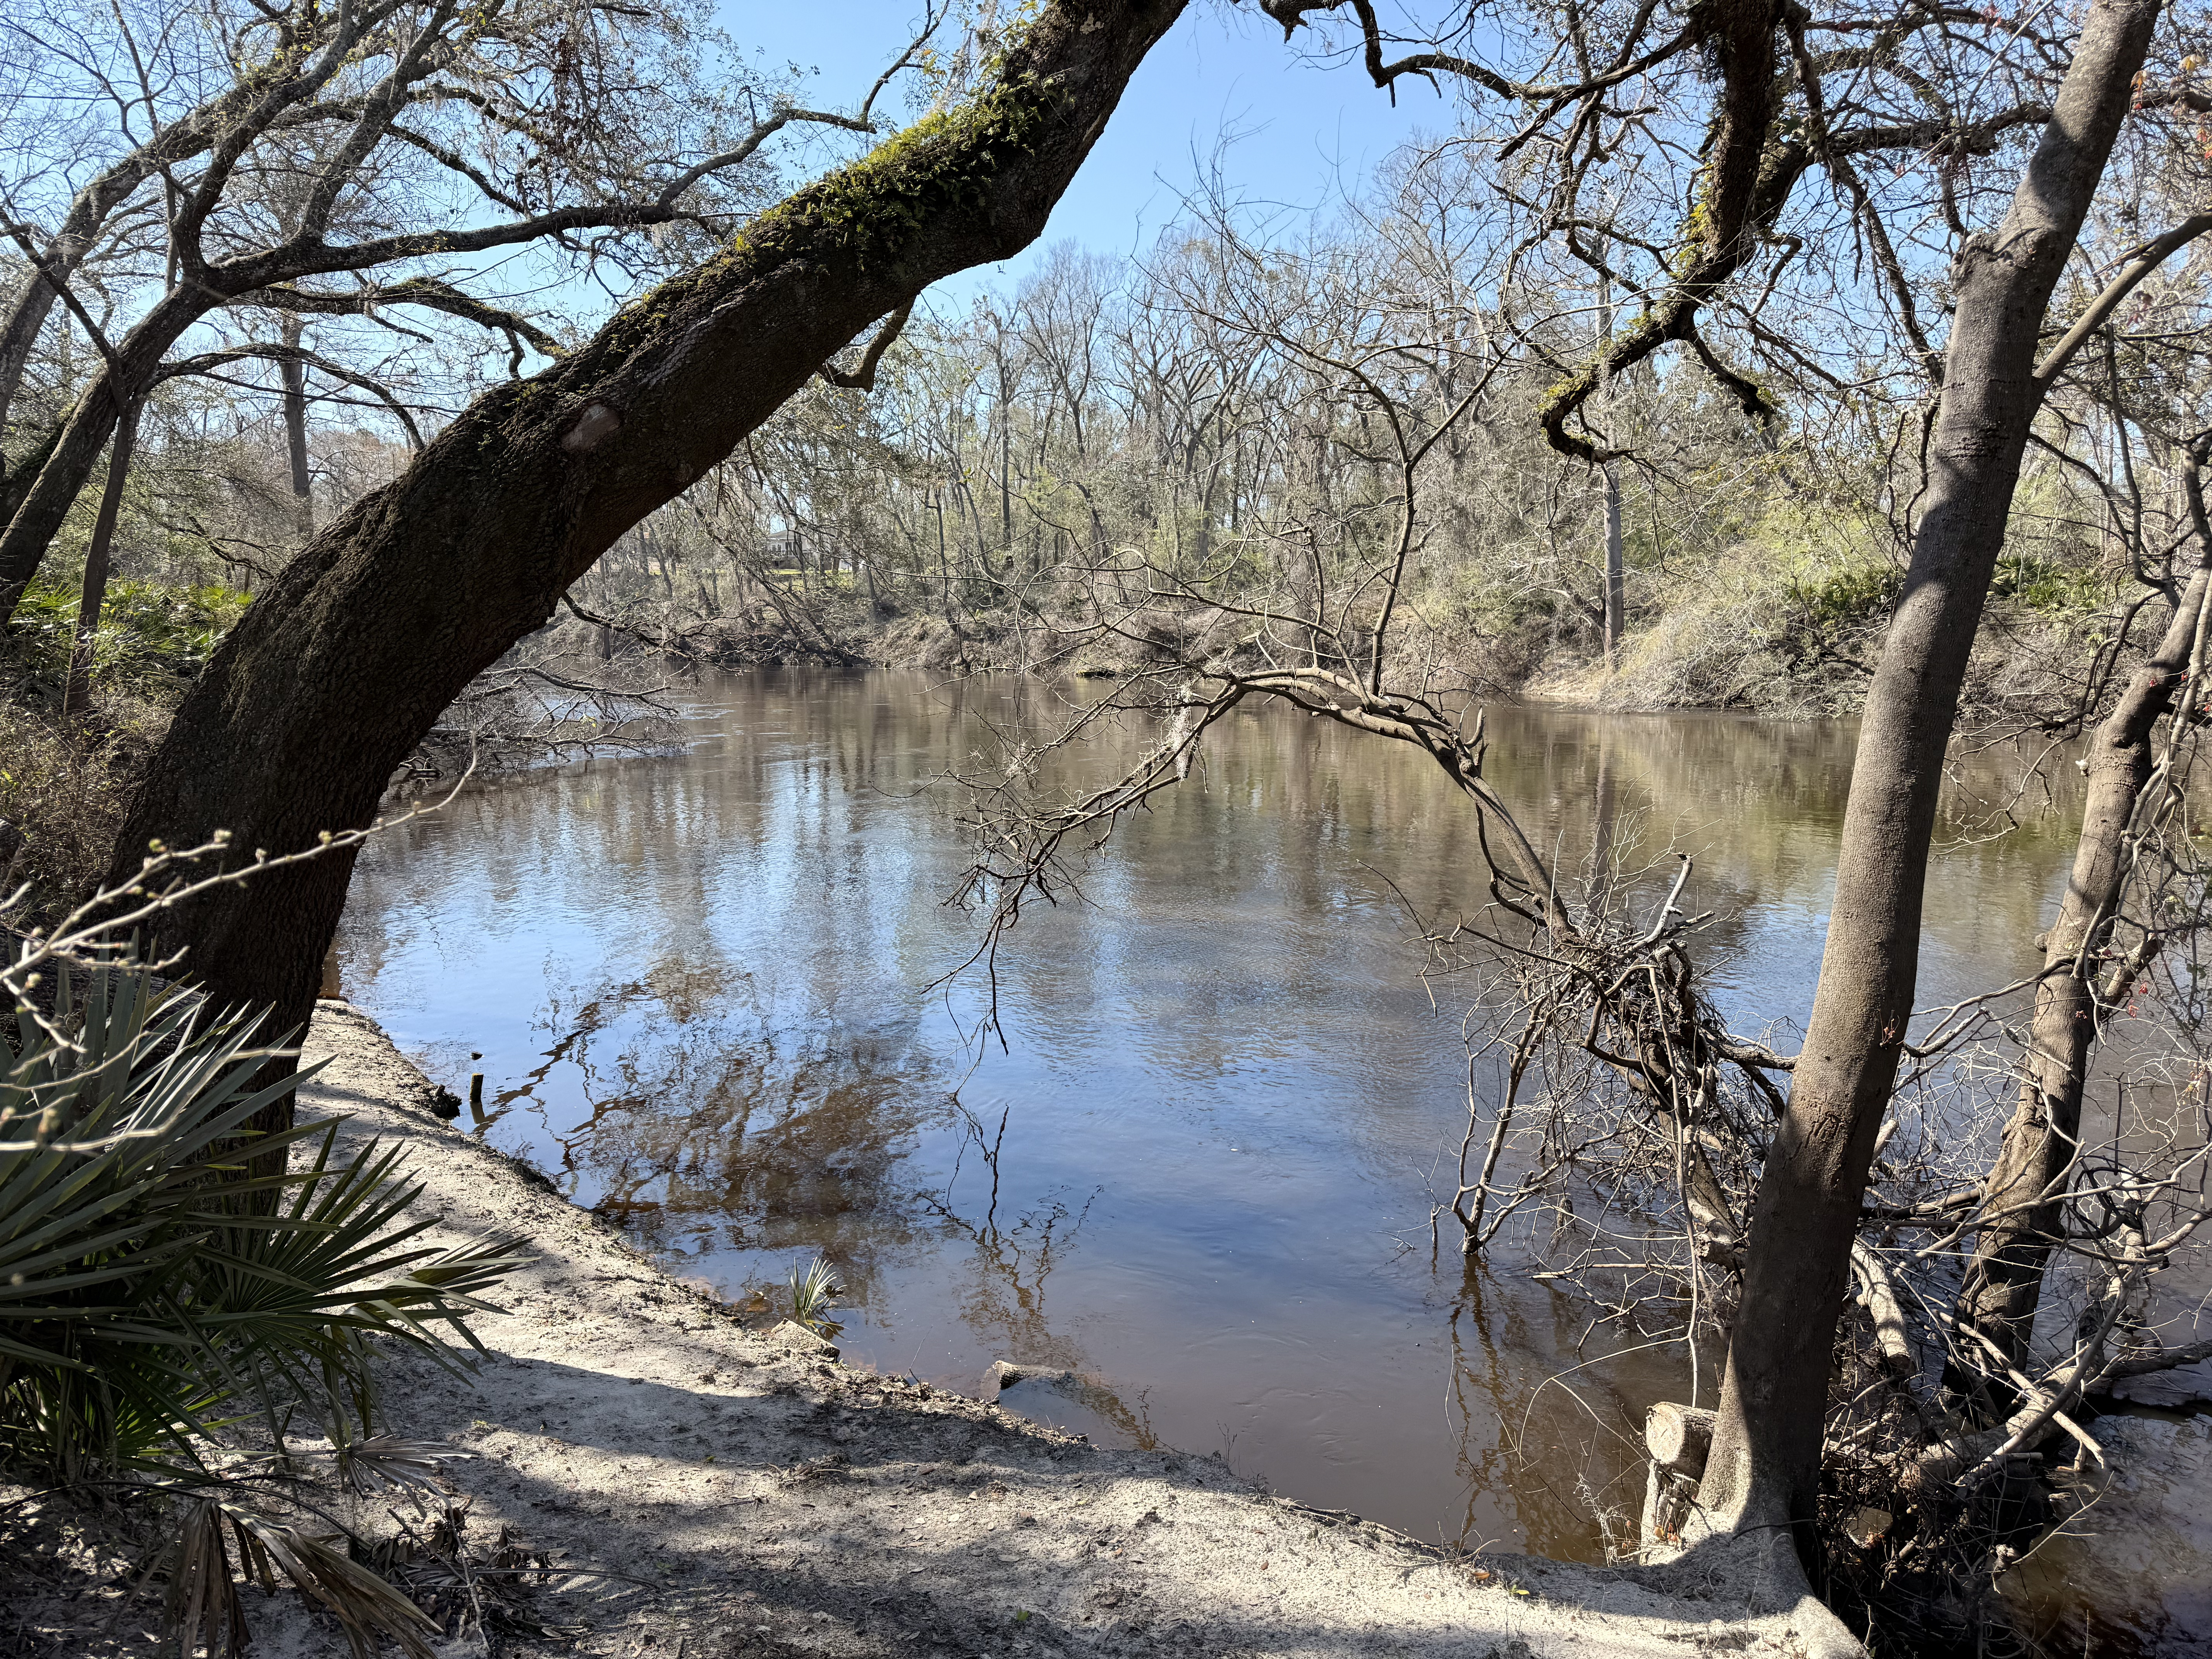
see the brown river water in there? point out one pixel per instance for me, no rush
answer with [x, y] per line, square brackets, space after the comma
[699, 987]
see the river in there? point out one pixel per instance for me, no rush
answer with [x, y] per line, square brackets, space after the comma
[1199, 1169]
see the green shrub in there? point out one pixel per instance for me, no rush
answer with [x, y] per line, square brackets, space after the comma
[143, 1301]
[155, 1293]
[1849, 597]
[2049, 585]
[151, 634]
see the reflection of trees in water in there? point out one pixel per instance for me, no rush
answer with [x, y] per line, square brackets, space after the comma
[1567, 1449]
[1003, 1301]
[706, 1128]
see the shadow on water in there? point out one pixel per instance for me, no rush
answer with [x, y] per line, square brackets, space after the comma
[1197, 1180]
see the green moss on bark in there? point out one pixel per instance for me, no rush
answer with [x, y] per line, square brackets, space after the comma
[869, 209]
[867, 212]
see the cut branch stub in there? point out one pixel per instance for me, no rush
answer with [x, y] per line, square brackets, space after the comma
[1679, 1436]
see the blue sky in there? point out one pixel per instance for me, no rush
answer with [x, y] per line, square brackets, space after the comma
[1299, 131]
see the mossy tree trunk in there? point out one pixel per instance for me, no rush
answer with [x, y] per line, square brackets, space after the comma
[347, 660]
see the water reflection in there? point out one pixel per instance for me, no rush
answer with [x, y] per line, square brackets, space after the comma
[1197, 1179]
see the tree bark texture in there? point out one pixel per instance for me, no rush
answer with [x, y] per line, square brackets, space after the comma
[1764, 1468]
[92, 598]
[294, 374]
[2004, 1281]
[334, 674]
[1616, 571]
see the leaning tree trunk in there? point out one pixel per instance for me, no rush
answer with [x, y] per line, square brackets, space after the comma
[2004, 1281]
[71, 458]
[15, 481]
[1763, 1473]
[334, 674]
[26, 313]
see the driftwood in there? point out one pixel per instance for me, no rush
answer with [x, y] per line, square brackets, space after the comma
[1878, 1296]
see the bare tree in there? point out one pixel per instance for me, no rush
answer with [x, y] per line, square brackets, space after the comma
[293, 157]
[1766, 1462]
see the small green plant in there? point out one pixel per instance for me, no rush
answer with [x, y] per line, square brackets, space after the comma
[2048, 585]
[814, 1291]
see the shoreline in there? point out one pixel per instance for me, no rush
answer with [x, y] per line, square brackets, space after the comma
[1641, 683]
[751, 1494]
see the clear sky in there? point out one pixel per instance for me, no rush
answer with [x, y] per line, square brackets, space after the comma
[1297, 131]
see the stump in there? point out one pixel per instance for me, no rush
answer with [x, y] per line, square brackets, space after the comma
[1678, 1437]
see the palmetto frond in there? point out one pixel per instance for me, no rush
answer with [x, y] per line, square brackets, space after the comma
[202, 1605]
[152, 1282]
[149, 1280]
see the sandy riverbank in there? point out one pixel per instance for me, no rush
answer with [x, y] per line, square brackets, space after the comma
[756, 1497]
